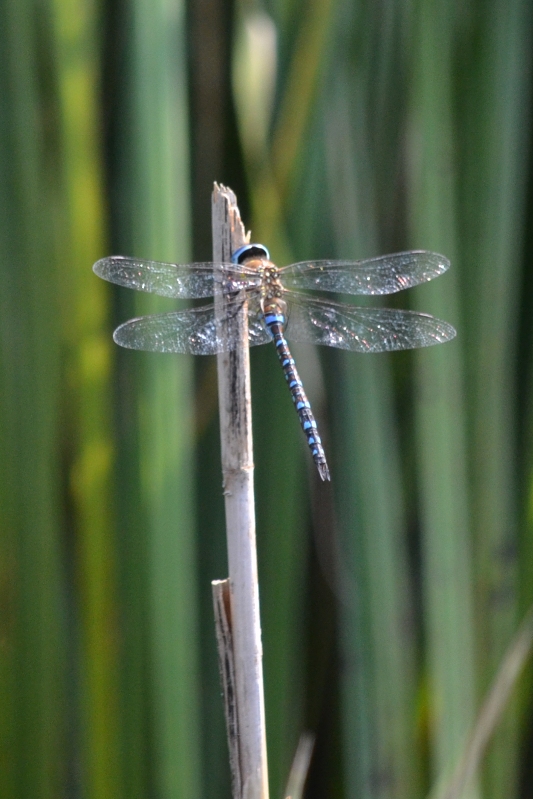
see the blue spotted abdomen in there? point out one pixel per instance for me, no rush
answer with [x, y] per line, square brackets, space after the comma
[275, 321]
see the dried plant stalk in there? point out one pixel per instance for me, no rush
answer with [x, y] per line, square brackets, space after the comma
[237, 469]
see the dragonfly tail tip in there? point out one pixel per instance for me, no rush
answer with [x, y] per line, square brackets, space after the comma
[323, 471]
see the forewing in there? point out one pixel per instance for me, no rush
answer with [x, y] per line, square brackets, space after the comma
[362, 329]
[386, 274]
[186, 281]
[192, 331]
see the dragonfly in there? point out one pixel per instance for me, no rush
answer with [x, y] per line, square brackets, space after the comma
[279, 308]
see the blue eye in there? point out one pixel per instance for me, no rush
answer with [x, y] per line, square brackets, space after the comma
[250, 251]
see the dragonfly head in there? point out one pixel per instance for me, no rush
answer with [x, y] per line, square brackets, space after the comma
[250, 251]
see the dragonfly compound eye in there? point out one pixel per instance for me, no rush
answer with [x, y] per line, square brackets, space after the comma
[250, 251]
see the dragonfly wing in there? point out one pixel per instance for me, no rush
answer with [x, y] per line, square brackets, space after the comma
[187, 281]
[386, 274]
[193, 331]
[362, 329]
[258, 332]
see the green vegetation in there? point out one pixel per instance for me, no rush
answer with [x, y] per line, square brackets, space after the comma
[389, 598]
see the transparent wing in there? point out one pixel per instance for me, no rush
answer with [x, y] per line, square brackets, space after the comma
[191, 331]
[361, 329]
[386, 274]
[187, 281]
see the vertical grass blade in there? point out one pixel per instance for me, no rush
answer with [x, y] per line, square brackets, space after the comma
[377, 635]
[32, 652]
[85, 307]
[153, 222]
[495, 109]
[440, 409]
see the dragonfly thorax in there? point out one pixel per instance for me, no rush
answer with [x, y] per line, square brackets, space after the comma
[271, 286]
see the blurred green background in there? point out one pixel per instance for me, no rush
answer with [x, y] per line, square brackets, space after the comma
[347, 128]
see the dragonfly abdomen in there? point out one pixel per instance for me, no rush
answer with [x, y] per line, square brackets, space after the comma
[275, 321]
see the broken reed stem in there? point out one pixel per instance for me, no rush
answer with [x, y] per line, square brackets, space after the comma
[226, 661]
[237, 470]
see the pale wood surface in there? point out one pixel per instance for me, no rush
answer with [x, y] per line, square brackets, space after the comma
[223, 629]
[237, 471]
